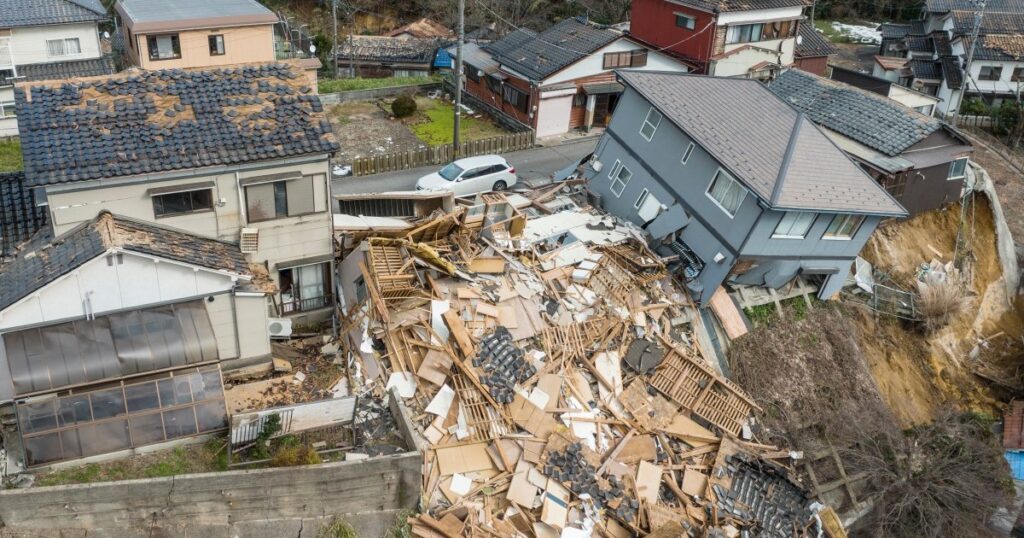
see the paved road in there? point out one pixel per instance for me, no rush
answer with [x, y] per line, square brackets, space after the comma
[530, 164]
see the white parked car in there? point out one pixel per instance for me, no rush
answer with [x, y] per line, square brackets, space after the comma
[469, 176]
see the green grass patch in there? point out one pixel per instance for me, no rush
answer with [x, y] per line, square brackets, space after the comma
[10, 155]
[436, 124]
[351, 84]
[825, 27]
[793, 309]
[207, 457]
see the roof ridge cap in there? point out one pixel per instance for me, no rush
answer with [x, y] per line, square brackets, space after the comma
[787, 158]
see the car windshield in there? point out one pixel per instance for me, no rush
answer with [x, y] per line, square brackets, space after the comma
[451, 172]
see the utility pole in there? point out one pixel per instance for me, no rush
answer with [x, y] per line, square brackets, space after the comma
[814, 5]
[334, 45]
[978, 15]
[458, 77]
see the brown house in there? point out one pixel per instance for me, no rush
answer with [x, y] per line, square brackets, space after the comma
[812, 51]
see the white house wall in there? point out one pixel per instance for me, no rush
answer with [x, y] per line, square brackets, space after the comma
[553, 115]
[733, 18]
[137, 282]
[28, 44]
[741, 62]
[222, 319]
[594, 64]
[1003, 85]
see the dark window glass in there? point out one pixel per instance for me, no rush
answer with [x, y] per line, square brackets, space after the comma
[164, 47]
[147, 429]
[141, 397]
[684, 21]
[104, 437]
[179, 423]
[74, 409]
[178, 203]
[37, 416]
[72, 444]
[43, 449]
[107, 403]
[217, 45]
[212, 416]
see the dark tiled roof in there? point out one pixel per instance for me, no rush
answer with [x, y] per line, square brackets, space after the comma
[991, 23]
[891, 30]
[14, 13]
[993, 6]
[92, 67]
[44, 260]
[925, 68]
[157, 121]
[1005, 48]
[777, 152]
[389, 49]
[20, 217]
[940, 42]
[556, 48]
[813, 43]
[871, 119]
[723, 6]
[919, 44]
[952, 73]
[510, 41]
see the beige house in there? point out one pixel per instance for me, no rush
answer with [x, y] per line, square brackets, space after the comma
[239, 155]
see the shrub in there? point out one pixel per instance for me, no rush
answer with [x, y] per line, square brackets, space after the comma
[974, 107]
[339, 528]
[403, 106]
[290, 456]
[941, 300]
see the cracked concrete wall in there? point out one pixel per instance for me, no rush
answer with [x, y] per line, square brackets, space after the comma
[259, 502]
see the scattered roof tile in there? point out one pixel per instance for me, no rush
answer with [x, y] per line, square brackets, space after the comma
[998, 47]
[813, 43]
[49, 258]
[388, 49]
[423, 28]
[557, 47]
[871, 119]
[891, 30]
[991, 23]
[749, 130]
[157, 121]
[17, 13]
[20, 216]
[941, 45]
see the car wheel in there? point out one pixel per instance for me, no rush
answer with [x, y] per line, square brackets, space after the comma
[499, 186]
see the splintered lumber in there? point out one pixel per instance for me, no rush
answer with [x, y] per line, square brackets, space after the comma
[728, 315]
[698, 388]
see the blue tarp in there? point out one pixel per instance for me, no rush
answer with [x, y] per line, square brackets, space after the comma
[443, 60]
[1016, 460]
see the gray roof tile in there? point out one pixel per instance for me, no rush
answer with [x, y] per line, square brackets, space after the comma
[389, 49]
[991, 23]
[556, 48]
[512, 40]
[45, 258]
[15, 13]
[871, 119]
[748, 129]
[813, 43]
[92, 67]
[158, 121]
[20, 217]
[994, 6]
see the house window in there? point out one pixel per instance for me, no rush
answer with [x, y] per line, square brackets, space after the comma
[579, 100]
[641, 199]
[927, 110]
[305, 288]
[628, 58]
[471, 73]
[493, 84]
[687, 153]
[685, 21]
[1018, 74]
[180, 203]
[990, 72]
[515, 97]
[614, 169]
[280, 199]
[957, 169]
[744, 33]
[650, 125]
[7, 109]
[63, 47]
[843, 227]
[726, 192]
[217, 45]
[163, 47]
[793, 225]
[620, 180]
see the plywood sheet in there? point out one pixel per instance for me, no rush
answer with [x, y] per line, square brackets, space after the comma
[728, 315]
[463, 459]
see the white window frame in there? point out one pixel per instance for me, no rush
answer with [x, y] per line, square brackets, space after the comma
[63, 47]
[614, 169]
[691, 23]
[795, 215]
[618, 179]
[654, 125]
[641, 199]
[687, 154]
[5, 105]
[952, 166]
[859, 219]
[722, 173]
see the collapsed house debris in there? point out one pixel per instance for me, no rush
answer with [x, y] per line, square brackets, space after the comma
[552, 367]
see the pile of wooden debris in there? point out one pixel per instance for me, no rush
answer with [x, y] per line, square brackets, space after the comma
[551, 365]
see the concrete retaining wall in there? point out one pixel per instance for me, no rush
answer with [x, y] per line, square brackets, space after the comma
[376, 93]
[259, 502]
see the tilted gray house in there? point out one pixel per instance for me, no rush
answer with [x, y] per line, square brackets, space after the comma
[736, 182]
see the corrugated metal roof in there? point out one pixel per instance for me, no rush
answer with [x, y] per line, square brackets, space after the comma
[555, 48]
[149, 11]
[748, 130]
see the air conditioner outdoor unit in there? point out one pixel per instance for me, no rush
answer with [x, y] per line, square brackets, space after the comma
[279, 327]
[249, 240]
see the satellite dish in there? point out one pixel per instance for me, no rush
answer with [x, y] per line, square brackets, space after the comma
[799, 39]
[106, 35]
[312, 49]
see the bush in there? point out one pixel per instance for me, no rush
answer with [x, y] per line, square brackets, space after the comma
[290, 456]
[974, 107]
[941, 300]
[403, 106]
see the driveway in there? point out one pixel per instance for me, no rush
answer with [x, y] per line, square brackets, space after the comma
[530, 164]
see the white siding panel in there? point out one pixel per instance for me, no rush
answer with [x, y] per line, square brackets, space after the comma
[137, 279]
[594, 64]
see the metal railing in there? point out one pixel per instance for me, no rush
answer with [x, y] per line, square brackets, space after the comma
[306, 305]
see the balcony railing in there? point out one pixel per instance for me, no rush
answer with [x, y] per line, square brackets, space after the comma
[306, 305]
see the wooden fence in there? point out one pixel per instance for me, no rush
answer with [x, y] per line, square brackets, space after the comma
[434, 155]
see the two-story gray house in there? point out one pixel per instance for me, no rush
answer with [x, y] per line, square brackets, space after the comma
[735, 182]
